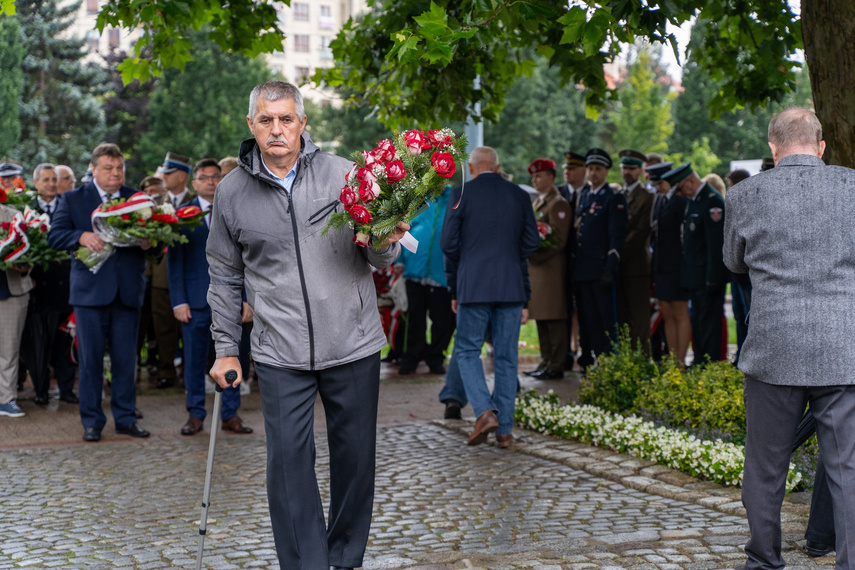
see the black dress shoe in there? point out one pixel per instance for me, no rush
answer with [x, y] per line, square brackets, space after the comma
[815, 549]
[92, 434]
[549, 375]
[452, 410]
[165, 383]
[437, 369]
[69, 398]
[534, 372]
[133, 430]
[41, 400]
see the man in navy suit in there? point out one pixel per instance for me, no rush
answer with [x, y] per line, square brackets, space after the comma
[106, 304]
[188, 290]
[487, 239]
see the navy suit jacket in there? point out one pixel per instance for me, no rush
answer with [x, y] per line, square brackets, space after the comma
[123, 273]
[188, 267]
[487, 241]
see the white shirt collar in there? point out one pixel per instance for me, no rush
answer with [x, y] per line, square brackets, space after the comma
[43, 204]
[103, 193]
[203, 203]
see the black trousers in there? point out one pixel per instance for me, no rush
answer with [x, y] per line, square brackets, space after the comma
[707, 313]
[43, 344]
[349, 394]
[820, 528]
[597, 319]
[424, 300]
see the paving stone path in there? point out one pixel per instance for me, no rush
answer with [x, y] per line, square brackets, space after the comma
[439, 506]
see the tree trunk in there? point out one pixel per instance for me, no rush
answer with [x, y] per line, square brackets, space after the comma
[828, 28]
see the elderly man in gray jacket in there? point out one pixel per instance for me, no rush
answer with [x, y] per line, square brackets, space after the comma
[317, 328]
[791, 229]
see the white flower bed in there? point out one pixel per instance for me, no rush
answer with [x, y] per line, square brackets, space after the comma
[716, 461]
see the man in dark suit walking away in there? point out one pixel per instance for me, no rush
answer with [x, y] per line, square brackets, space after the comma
[188, 289]
[106, 305]
[487, 240]
[790, 229]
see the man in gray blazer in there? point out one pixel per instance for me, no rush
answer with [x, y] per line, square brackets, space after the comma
[791, 229]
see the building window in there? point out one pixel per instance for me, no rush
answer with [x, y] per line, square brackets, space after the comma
[91, 6]
[301, 11]
[325, 22]
[301, 74]
[113, 38]
[93, 40]
[326, 51]
[301, 42]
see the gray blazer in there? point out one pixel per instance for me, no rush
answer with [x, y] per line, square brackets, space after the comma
[19, 283]
[792, 229]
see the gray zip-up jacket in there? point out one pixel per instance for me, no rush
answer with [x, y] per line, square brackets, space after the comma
[312, 295]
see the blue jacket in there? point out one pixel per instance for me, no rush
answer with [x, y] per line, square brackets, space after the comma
[601, 228]
[487, 241]
[122, 274]
[188, 267]
[427, 228]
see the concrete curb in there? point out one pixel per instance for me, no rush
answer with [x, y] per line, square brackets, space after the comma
[635, 473]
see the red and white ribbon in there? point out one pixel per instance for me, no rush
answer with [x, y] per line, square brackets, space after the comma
[18, 234]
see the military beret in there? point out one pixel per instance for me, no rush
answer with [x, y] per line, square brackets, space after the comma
[598, 156]
[573, 159]
[540, 164]
[655, 171]
[675, 175]
[9, 167]
[632, 158]
[175, 161]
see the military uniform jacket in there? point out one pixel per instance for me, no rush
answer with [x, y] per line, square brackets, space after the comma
[665, 239]
[601, 229]
[547, 268]
[703, 238]
[635, 256]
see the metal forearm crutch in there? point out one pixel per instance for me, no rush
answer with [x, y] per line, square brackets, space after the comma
[231, 376]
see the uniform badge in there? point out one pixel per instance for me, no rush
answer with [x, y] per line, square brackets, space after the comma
[692, 226]
[716, 214]
[562, 215]
[620, 206]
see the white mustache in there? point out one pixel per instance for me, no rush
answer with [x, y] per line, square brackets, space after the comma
[277, 139]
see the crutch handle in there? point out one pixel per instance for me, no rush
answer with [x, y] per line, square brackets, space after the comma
[231, 376]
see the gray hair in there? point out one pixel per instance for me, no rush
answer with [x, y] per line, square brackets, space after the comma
[795, 127]
[43, 166]
[273, 91]
[484, 157]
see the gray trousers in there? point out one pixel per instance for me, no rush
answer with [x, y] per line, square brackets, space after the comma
[13, 314]
[773, 413]
[349, 394]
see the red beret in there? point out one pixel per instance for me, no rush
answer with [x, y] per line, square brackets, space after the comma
[539, 164]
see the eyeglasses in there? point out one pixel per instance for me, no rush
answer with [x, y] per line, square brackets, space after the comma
[214, 177]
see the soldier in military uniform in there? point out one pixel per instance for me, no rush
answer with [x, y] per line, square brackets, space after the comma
[601, 221]
[576, 179]
[633, 284]
[703, 271]
[547, 272]
[666, 242]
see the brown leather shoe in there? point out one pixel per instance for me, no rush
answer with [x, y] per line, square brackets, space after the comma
[192, 427]
[236, 425]
[504, 441]
[487, 423]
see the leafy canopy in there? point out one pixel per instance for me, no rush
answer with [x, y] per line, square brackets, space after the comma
[415, 61]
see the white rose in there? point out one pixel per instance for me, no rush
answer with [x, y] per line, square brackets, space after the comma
[145, 213]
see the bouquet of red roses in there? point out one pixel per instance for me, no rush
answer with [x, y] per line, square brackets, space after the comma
[396, 181]
[544, 230]
[136, 221]
[16, 194]
[23, 241]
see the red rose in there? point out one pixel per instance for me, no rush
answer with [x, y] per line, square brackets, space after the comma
[416, 142]
[443, 163]
[361, 239]
[365, 174]
[543, 229]
[188, 212]
[395, 171]
[141, 222]
[348, 197]
[5, 226]
[385, 151]
[360, 215]
[165, 218]
[43, 228]
[126, 217]
[438, 138]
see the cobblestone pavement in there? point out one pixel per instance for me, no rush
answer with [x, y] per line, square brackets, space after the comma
[439, 505]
